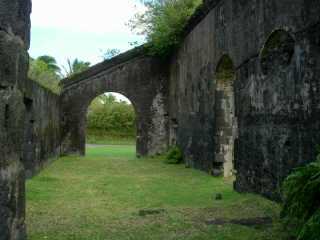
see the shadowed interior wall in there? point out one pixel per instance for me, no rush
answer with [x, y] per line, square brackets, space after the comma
[14, 42]
[42, 127]
[29, 119]
[276, 88]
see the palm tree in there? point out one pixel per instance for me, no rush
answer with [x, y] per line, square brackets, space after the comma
[76, 66]
[51, 63]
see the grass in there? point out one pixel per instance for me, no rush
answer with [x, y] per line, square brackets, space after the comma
[98, 197]
[105, 138]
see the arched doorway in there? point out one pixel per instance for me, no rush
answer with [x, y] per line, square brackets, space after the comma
[225, 124]
[111, 120]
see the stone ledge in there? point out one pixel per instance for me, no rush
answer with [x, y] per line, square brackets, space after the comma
[105, 65]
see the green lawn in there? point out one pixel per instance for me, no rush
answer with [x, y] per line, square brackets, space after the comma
[109, 138]
[99, 197]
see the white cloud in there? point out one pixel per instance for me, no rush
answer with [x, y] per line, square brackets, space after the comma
[99, 16]
[81, 28]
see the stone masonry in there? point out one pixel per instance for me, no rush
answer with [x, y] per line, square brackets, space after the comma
[240, 96]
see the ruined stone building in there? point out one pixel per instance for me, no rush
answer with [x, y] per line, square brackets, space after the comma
[241, 96]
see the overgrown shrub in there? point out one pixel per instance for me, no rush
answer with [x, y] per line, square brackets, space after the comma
[174, 155]
[163, 23]
[301, 210]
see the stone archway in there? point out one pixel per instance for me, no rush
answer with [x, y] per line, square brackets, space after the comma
[133, 74]
[111, 120]
[225, 123]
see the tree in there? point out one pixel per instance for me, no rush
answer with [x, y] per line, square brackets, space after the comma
[99, 102]
[43, 73]
[75, 66]
[110, 53]
[163, 23]
[109, 116]
[51, 63]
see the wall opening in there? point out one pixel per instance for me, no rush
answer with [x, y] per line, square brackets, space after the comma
[111, 120]
[277, 52]
[225, 122]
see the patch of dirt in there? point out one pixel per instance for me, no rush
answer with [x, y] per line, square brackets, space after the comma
[249, 222]
[145, 212]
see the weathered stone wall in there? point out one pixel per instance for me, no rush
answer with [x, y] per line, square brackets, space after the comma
[259, 122]
[142, 79]
[273, 97]
[14, 42]
[276, 87]
[29, 119]
[42, 127]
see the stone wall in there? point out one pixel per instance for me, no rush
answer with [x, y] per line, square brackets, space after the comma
[14, 42]
[242, 96]
[274, 47]
[258, 60]
[142, 79]
[29, 119]
[42, 127]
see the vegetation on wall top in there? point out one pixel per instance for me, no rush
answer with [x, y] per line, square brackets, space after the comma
[74, 67]
[163, 23]
[45, 71]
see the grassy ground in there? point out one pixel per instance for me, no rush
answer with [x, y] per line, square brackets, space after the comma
[103, 138]
[99, 197]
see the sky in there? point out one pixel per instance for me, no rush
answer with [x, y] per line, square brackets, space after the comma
[80, 28]
[69, 29]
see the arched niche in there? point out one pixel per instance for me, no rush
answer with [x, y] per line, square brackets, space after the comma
[225, 124]
[277, 52]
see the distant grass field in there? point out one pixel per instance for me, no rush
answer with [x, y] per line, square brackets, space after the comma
[109, 138]
[98, 197]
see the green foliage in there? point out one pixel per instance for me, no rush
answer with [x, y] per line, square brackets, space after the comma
[174, 155]
[75, 66]
[301, 209]
[163, 23]
[311, 229]
[110, 53]
[51, 63]
[44, 71]
[109, 116]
